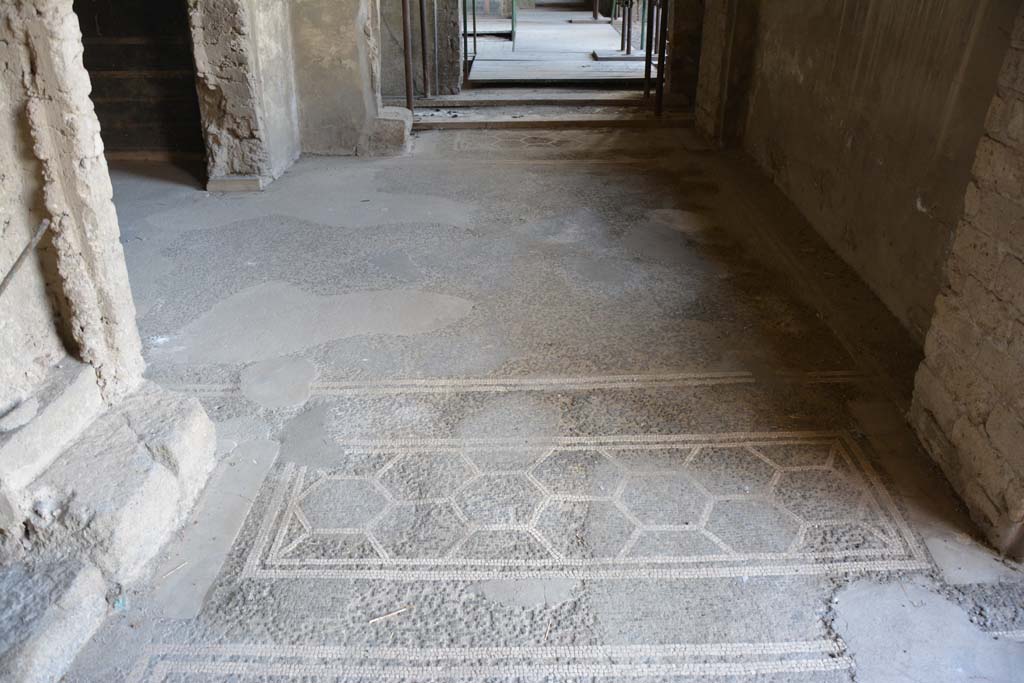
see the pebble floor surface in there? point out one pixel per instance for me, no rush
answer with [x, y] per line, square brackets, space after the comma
[539, 406]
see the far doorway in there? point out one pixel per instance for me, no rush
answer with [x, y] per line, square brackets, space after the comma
[555, 42]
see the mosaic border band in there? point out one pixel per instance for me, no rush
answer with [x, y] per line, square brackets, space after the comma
[242, 661]
[553, 383]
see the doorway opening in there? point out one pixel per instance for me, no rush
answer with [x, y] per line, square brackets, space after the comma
[139, 59]
[544, 63]
[559, 43]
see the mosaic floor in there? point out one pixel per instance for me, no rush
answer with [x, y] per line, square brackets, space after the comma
[544, 409]
[640, 506]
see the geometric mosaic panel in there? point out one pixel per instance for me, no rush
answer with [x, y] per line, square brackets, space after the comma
[640, 506]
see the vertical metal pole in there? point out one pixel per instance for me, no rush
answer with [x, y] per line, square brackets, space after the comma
[423, 48]
[629, 27]
[437, 62]
[651, 7]
[643, 23]
[596, 15]
[474, 28]
[622, 28]
[407, 46]
[515, 17]
[657, 24]
[465, 39]
[659, 100]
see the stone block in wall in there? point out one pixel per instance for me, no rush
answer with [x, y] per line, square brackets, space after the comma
[1001, 370]
[996, 216]
[1012, 75]
[125, 485]
[55, 607]
[1008, 283]
[968, 404]
[942, 405]
[1005, 121]
[973, 255]
[1000, 168]
[991, 315]
[1006, 430]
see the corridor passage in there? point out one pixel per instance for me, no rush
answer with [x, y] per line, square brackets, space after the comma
[588, 405]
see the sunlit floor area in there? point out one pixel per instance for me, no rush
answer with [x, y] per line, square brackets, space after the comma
[575, 406]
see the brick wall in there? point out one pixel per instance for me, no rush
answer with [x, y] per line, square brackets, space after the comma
[969, 395]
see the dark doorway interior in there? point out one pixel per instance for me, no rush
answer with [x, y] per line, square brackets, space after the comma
[139, 58]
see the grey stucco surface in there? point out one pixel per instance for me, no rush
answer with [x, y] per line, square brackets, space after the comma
[867, 115]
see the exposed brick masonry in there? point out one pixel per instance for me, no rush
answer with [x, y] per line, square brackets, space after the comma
[969, 396]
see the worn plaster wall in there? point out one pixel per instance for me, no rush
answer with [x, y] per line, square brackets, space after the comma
[866, 113]
[226, 83]
[337, 68]
[49, 90]
[969, 396]
[29, 342]
[449, 47]
[245, 78]
[275, 78]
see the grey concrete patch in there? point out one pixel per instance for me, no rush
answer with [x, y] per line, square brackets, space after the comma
[187, 570]
[232, 432]
[305, 438]
[529, 593]
[278, 382]
[902, 632]
[277, 318]
[963, 560]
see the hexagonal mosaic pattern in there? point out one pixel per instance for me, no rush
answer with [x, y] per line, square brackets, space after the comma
[579, 473]
[622, 506]
[499, 499]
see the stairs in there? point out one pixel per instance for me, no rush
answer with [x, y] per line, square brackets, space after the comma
[88, 496]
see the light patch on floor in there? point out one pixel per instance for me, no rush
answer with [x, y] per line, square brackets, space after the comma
[279, 382]
[186, 571]
[902, 632]
[276, 318]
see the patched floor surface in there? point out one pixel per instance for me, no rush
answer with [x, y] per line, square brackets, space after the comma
[539, 406]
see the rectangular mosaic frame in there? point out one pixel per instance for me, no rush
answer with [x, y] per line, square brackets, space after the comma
[902, 551]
